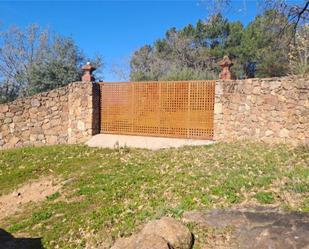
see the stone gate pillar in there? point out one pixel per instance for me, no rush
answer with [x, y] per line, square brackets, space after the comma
[84, 107]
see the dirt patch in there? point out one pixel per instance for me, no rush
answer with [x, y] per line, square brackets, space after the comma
[31, 192]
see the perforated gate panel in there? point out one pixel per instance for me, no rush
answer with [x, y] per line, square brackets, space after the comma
[167, 108]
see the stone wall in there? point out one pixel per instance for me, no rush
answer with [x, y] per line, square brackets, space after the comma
[271, 110]
[84, 112]
[64, 115]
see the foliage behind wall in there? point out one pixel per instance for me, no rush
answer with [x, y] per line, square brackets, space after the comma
[34, 60]
[261, 49]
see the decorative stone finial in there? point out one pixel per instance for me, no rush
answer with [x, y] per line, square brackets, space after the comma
[226, 63]
[87, 75]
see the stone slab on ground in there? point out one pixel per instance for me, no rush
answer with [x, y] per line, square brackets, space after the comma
[257, 228]
[153, 143]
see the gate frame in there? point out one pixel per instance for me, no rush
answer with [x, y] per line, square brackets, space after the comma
[132, 133]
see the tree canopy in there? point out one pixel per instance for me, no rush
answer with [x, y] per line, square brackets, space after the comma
[261, 49]
[35, 60]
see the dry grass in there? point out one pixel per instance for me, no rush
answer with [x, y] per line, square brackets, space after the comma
[110, 193]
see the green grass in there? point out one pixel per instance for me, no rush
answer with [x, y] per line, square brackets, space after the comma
[265, 197]
[110, 193]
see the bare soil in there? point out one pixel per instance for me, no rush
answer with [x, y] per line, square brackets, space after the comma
[34, 191]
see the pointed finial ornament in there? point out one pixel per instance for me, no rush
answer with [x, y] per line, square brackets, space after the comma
[226, 73]
[87, 72]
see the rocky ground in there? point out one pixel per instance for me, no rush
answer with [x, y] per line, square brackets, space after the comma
[255, 228]
[249, 228]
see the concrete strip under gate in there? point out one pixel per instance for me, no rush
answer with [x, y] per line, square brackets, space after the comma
[153, 143]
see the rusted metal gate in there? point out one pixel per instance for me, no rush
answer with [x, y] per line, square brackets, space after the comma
[181, 109]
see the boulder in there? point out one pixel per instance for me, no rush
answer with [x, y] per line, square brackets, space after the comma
[141, 241]
[166, 233]
[151, 241]
[122, 243]
[174, 232]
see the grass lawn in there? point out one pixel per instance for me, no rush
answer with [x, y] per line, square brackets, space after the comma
[110, 193]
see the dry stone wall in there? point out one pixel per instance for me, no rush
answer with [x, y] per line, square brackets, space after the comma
[271, 110]
[84, 112]
[63, 115]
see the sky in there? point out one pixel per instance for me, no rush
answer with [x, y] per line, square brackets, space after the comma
[115, 29]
